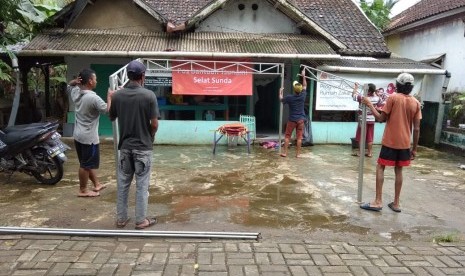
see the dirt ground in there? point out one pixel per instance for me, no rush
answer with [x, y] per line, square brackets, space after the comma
[312, 197]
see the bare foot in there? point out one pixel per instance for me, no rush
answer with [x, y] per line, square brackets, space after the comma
[283, 155]
[98, 188]
[88, 194]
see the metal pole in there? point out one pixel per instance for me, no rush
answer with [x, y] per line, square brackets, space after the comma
[131, 233]
[15, 106]
[363, 131]
[281, 111]
[46, 71]
[113, 86]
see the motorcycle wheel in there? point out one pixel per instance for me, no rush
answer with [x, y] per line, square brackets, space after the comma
[50, 170]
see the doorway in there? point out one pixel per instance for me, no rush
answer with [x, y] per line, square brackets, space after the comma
[267, 107]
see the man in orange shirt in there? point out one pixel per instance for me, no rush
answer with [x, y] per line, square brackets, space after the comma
[402, 114]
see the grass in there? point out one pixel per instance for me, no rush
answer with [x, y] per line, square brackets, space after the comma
[446, 238]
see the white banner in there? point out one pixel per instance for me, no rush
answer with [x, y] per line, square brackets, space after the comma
[332, 94]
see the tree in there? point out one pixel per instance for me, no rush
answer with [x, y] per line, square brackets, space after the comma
[378, 11]
[20, 20]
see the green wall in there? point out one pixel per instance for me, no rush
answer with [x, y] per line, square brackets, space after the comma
[103, 72]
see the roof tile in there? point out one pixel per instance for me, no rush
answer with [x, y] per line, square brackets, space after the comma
[422, 10]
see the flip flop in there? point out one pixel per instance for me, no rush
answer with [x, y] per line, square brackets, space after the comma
[101, 188]
[89, 194]
[369, 155]
[151, 222]
[367, 206]
[355, 154]
[122, 224]
[391, 205]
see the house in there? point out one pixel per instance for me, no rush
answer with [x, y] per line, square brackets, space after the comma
[433, 32]
[269, 40]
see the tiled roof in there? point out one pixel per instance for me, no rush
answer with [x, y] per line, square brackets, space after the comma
[177, 11]
[114, 41]
[422, 10]
[342, 18]
[346, 22]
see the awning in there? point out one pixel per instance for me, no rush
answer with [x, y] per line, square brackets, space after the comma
[106, 43]
[394, 65]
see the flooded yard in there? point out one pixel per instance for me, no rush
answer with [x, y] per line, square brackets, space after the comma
[312, 197]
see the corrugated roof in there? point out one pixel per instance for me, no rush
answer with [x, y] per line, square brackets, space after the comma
[110, 40]
[395, 63]
[423, 10]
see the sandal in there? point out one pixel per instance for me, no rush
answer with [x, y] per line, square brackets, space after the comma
[151, 222]
[122, 224]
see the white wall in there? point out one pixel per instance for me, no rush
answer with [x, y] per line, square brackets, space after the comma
[448, 38]
[265, 19]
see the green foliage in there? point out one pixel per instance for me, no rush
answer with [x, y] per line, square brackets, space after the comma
[378, 11]
[22, 19]
[457, 109]
[5, 71]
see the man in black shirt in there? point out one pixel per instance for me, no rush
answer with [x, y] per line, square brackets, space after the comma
[137, 112]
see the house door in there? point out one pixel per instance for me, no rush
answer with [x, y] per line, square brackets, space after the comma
[428, 123]
[267, 107]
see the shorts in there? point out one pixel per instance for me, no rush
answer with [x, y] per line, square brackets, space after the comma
[369, 135]
[394, 157]
[298, 126]
[88, 155]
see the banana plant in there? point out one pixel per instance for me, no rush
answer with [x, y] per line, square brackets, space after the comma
[378, 11]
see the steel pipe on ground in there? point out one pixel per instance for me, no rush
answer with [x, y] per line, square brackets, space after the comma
[131, 233]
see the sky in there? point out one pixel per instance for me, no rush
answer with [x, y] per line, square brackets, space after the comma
[402, 5]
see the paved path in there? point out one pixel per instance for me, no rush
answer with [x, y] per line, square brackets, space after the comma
[69, 255]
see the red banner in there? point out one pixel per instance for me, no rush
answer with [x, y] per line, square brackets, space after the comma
[198, 78]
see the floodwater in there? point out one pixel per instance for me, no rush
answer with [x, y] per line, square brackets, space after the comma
[314, 196]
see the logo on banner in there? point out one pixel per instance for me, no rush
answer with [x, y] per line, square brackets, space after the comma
[199, 79]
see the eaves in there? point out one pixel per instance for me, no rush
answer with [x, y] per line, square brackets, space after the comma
[425, 21]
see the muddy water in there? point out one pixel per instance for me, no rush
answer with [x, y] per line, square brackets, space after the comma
[312, 197]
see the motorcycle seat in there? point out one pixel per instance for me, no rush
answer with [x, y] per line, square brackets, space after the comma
[13, 137]
[33, 126]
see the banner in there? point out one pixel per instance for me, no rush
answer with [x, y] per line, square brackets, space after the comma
[197, 78]
[332, 94]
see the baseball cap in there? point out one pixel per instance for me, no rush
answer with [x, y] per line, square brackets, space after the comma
[297, 87]
[405, 78]
[136, 67]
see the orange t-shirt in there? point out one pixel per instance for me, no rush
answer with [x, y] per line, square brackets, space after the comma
[401, 111]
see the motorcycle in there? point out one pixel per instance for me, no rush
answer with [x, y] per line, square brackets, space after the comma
[34, 149]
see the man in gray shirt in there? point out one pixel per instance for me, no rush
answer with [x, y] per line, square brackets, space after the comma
[88, 107]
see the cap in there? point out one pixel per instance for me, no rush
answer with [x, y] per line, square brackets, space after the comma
[297, 87]
[405, 78]
[136, 67]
